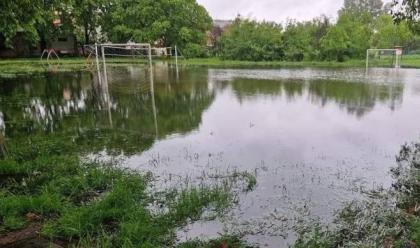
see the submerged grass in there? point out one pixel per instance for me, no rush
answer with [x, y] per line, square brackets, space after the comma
[226, 241]
[391, 219]
[9, 67]
[87, 204]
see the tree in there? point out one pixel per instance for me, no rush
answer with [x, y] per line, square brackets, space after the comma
[349, 38]
[388, 35]
[297, 39]
[373, 7]
[335, 44]
[250, 40]
[302, 40]
[168, 22]
[89, 15]
[20, 16]
[34, 19]
[408, 10]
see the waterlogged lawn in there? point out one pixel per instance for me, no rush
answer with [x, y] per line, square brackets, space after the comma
[198, 157]
[89, 204]
[10, 67]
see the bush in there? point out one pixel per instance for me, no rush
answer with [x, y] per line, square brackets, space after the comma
[252, 41]
[194, 51]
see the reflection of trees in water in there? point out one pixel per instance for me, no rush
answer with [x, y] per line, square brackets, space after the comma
[78, 105]
[249, 88]
[355, 98]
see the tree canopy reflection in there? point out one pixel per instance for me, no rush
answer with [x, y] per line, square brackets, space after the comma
[354, 97]
[117, 118]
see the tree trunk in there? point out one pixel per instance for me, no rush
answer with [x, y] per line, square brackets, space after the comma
[86, 34]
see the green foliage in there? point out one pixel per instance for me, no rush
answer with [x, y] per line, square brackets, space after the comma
[95, 205]
[316, 238]
[373, 7]
[168, 22]
[250, 40]
[335, 44]
[89, 15]
[408, 10]
[17, 16]
[389, 35]
[192, 50]
[227, 241]
[297, 41]
[302, 39]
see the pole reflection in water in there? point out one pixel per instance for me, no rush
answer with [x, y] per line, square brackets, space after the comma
[102, 85]
[3, 149]
[104, 91]
[152, 92]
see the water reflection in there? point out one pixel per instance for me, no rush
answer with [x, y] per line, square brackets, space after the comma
[314, 138]
[124, 110]
[146, 103]
[354, 97]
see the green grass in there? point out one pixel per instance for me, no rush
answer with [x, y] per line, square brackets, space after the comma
[88, 204]
[217, 62]
[34, 65]
[226, 241]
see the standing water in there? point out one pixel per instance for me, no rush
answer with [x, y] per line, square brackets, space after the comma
[313, 138]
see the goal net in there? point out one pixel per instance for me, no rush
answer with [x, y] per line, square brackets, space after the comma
[129, 51]
[383, 58]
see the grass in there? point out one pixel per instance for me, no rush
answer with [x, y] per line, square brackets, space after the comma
[226, 241]
[33, 65]
[87, 204]
[219, 63]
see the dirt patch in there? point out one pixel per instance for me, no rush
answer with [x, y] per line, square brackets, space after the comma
[26, 238]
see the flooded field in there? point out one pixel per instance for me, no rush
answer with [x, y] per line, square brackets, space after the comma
[313, 138]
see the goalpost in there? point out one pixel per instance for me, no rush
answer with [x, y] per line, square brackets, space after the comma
[129, 51]
[384, 57]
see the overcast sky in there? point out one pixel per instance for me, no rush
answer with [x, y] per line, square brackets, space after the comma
[272, 10]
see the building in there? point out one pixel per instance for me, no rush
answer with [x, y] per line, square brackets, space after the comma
[219, 26]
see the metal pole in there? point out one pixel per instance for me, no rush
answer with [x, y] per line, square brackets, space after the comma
[176, 62]
[105, 85]
[176, 55]
[104, 63]
[367, 60]
[152, 92]
[150, 54]
[97, 54]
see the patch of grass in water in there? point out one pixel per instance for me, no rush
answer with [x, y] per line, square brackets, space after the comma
[89, 204]
[377, 222]
[226, 241]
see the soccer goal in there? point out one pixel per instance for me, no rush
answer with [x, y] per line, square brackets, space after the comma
[132, 51]
[129, 52]
[383, 58]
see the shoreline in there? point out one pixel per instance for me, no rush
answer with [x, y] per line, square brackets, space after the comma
[33, 65]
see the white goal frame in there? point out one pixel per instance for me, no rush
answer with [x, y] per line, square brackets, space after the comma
[397, 54]
[128, 46]
[99, 51]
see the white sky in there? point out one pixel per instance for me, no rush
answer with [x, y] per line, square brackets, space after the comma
[272, 10]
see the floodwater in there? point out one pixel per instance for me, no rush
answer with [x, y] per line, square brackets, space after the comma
[314, 138]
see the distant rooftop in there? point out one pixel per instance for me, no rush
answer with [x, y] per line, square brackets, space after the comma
[222, 23]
